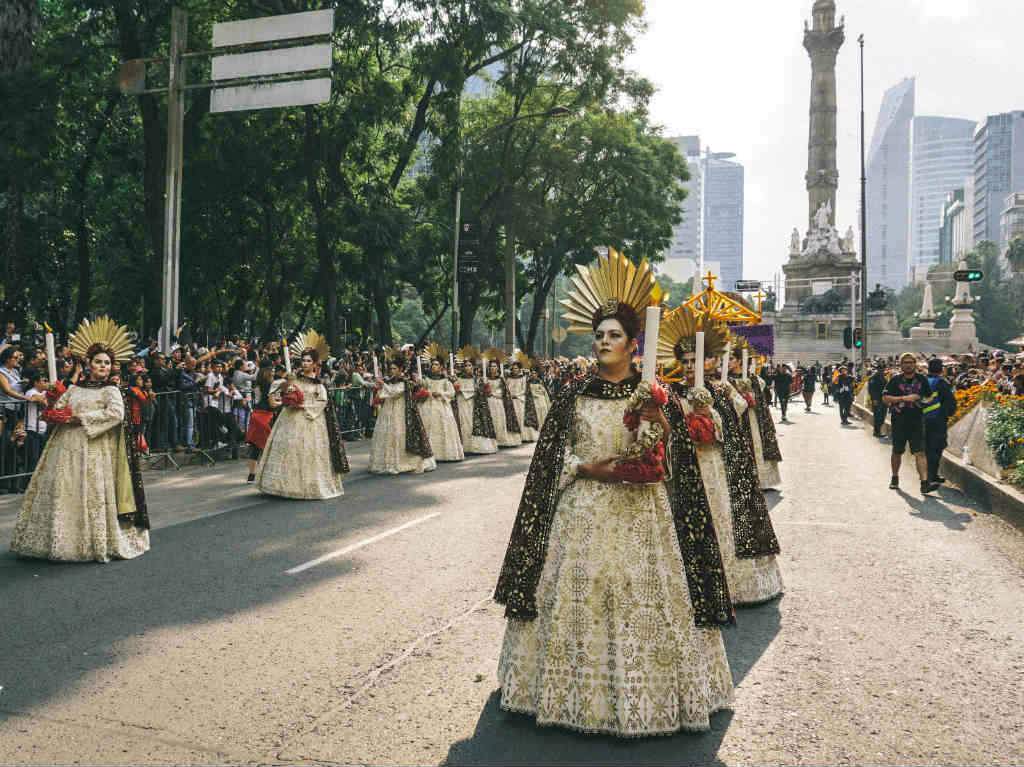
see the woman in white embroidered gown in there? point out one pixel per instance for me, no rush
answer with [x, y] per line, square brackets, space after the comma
[438, 416]
[297, 461]
[466, 402]
[607, 641]
[767, 471]
[496, 403]
[517, 384]
[541, 399]
[389, 453]
[85, 500]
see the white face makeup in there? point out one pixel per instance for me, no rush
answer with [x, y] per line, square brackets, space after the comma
[612, 346]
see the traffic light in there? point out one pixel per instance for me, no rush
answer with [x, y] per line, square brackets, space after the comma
[858, 338]
[848, 337]
[968, 275]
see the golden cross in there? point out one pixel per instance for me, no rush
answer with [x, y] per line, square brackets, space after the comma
[760, 294]
[710, 278]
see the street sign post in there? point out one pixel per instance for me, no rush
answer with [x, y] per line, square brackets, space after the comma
[469, 248]
[748, 286]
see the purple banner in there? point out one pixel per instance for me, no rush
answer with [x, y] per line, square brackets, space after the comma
[761, 337]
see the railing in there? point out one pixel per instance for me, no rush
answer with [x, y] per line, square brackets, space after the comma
[174, 429]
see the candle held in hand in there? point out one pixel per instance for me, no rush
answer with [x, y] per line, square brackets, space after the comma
[652, 328]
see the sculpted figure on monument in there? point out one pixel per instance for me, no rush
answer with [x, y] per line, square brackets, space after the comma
[821, 218]
[848, 245]
[794, 242]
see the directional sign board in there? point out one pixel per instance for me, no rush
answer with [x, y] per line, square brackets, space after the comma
[748, 286]
[469, 248]
[281, 61]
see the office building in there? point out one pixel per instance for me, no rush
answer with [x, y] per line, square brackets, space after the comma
[998, 170]
[686, 235]
[723, 216]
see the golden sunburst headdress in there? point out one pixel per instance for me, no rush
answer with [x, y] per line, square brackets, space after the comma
[495, 354]
[678, 338]
[310, 340]
[115, 339]
[601, 289]
[435, 351]
[739, 343]
[467, 352]
[523, 359]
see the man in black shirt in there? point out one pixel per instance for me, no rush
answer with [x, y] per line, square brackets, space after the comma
[844, 396]
[783, 381]
[903, 395]
[809, 383]
[937, 410]
[876, 388]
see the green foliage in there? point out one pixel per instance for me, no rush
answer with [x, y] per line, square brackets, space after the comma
[1000, 312]
[1004, 433]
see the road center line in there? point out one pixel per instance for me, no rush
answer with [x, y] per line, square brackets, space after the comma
[366, 542]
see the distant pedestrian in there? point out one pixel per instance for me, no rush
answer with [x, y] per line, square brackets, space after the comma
[783, 381]
[827, 383]
[903, 394]
[810, 381]
[876, 388]
[937, 410]
[843, 392]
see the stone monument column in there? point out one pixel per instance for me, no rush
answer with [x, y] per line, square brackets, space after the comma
[822, 41]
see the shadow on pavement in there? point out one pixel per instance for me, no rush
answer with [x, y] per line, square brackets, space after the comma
[932, 509]
[503, 738]
[65, 621]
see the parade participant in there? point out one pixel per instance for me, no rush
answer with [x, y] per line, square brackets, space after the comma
[85, 501]
[783, 382]
[522, 398]
[843, 389]
[937, 410]
[903, 394]
[809, 381]
[436, 410]
[475, 423]
[541, 398]
[400, 442]
[304, 456]
[502, 407]
[261, 420]
[759, 425]
[594, 580]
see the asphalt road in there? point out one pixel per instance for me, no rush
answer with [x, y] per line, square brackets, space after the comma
[360, 630]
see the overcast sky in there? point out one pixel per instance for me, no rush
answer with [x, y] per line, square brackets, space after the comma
[736, 74]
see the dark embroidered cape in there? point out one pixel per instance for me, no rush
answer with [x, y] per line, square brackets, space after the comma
[416, 440]
[483, 423]
[530, 414]
[140, 517]
[695, 529]
[339, 458]
[752, 527]
[765, 422]
[527, 548]
[511, 421]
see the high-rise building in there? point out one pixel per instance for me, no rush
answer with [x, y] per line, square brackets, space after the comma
[951, 227]
[686, 235]
[941, 157]
[723, 216]
[998, 170]
[888, 175]
[1011, 220]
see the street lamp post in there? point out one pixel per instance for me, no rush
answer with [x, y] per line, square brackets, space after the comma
[863, 221]
[510, 272]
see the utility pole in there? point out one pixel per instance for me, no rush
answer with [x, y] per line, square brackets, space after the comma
[510, 288]
[172, 195]
[863, 221]
[458, 221]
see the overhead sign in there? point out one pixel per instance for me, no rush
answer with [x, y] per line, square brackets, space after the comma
[748, 286]
[273, 63]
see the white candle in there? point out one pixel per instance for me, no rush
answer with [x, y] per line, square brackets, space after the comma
[651, 330]
[419, 367]
[698, 368]
[501, 369]
[51, 356]
[725, 362]
[376, 367]
[451, 363]
[287, 356]
[746, 362]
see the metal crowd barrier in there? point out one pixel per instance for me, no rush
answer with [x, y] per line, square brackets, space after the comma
[20, 447]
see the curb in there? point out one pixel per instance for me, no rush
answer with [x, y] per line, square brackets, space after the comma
[992, 494]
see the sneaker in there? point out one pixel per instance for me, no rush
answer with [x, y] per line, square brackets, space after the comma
[251, 478]
[928, 487]
[894, 483]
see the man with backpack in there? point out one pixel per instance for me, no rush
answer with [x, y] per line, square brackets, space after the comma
[937, 410]
[904, 394]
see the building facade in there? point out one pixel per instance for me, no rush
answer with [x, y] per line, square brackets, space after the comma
[998, 170]
[686, 235]
[941, 157]
[888, 192]
[723, 217]
[1011, 221]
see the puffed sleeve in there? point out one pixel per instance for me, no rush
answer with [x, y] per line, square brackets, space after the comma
[106, 417]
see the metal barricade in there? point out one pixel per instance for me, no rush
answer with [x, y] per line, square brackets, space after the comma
[353, 405]
[20, 445]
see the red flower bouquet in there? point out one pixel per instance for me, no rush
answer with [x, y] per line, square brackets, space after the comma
[293, 397]
[55, 392]
[701, 428]
[487, 390]
[57, 415]
[644, 460]
[648, 468]
[420, 394]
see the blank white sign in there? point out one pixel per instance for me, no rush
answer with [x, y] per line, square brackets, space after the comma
[304, 58]
[288, 26]
[289, 94]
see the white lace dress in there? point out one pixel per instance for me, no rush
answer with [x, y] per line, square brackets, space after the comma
[465, 399]
[614, 648]
[70, 508]
[767, 471]
[496, 404]
[541, 400]
[518, 388]
[387, 451]
[751, 581]
[296, 462]
[439, 420]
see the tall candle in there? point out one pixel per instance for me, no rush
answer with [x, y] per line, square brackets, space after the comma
[725, 362]
[746, 362]
[451, 363]
[51, 356]
[698, 368]
[651, 330]
[419, 367]
[376, 368]
[501, 369]
[287, 356]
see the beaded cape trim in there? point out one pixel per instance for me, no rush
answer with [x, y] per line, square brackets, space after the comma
[752, 527]
[483, 423]
[416, 440]
[769, 438]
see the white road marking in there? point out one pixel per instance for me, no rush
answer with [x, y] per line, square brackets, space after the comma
[366, 542]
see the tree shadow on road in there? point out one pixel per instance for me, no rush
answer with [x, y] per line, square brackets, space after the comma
[503, 738]
[932, 509]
